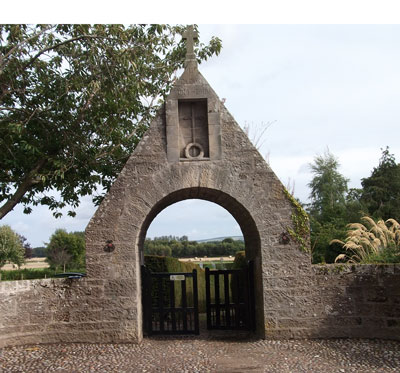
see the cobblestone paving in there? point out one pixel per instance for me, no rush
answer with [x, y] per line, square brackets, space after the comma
[191, 354]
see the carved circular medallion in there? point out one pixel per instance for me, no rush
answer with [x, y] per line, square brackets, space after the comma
[194, 151]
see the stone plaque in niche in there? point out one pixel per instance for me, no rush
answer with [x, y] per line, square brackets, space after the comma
[193, 129]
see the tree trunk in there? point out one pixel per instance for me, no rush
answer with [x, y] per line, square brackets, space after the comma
[24, 187]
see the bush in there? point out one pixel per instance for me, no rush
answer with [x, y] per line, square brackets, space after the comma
[372, 242]
[167, 264]
[32, 273]
[26, 274]
[240, 260]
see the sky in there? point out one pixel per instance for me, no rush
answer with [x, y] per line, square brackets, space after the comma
[318, 87]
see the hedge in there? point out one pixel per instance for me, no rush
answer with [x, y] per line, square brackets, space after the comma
[167, 264]
[31, 273]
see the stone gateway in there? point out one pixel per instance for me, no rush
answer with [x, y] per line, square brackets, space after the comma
[195, 149]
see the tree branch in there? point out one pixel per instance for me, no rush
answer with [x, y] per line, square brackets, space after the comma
[3, 59]
[24, 187]
[38, 54]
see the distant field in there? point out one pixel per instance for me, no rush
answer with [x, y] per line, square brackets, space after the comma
[37, 263]
[236, 238]
[29, 264]
[205, 259]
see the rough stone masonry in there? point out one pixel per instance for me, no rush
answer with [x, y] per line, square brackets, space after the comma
[195, 149]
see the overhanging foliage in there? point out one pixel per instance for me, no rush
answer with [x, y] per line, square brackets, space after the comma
[74, 102]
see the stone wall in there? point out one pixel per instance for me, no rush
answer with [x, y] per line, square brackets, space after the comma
[358, 301]
[333, 301]
[342, 301]
[56, 310]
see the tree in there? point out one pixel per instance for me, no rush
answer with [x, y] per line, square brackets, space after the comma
[11, 249]
[181, 247]
[327, 209]
[74, 102]
[381, 191]
[58, 256]
[28, 252]
[322, 235]
[355, 207]
[39, 252]
[67, 249]
[328, 187]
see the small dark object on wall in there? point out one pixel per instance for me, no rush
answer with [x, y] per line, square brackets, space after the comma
[71, 275]
[109, 246]
[284, 239]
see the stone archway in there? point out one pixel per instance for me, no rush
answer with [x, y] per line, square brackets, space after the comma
[239, 213]
[195, 149]
[240, 180]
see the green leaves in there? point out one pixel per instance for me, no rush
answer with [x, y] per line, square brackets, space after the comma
[11, 249]
[67, 249]
[328, 186]
[381, 191]
[79, 97]
[328, 210]
[331, 209]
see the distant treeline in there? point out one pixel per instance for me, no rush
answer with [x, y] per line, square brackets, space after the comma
[181, 247]
[39, 252]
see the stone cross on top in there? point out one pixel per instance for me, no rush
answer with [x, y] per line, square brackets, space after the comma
[190, 35]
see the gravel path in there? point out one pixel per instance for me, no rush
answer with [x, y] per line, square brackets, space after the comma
[191, 354]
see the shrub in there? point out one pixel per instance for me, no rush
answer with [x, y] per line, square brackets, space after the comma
[26, 274]
[240, 260]
[372, 242]
[167, 264]
[31, 273]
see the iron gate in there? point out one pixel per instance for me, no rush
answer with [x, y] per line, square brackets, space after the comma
[230, 298]
[170, 302]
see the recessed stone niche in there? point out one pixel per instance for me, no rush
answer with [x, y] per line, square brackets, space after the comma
[193, 121]
[193, 129]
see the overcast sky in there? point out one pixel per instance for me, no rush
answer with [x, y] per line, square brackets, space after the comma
[321, 86]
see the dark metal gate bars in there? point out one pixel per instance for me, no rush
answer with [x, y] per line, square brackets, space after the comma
[170, 302]
[230, 298]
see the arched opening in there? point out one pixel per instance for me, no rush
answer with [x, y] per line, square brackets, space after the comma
[243, 218]
[195, 230]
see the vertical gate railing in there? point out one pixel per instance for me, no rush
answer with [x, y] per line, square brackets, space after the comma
[230, 298]
[170, 302]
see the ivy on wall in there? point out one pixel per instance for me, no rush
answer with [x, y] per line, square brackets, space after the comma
[301, 224]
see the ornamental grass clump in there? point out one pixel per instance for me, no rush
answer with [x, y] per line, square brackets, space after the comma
[371, 242]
